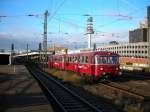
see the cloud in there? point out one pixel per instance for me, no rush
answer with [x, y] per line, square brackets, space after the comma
[69, 40]
[107, 37]
[81, 40]
[20, 36]
[5, 36]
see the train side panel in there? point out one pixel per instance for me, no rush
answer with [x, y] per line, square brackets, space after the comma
[84, 64]
[91, 64]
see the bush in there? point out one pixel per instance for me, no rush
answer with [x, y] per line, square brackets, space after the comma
[145, 70]
[129, 63]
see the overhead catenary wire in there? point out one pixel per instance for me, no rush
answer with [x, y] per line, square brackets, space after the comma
[52, 16]
[57, 9]
[118, 20]
[55, 13]
[26, 15]
[110, 34]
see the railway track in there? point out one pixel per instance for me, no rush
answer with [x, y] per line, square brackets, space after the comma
[124, 89]
[63, 99]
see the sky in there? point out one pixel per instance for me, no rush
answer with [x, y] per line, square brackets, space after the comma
[67, 21]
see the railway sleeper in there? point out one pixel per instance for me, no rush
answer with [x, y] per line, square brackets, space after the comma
[74, 106]
[79, 109]
[70, 103]
[67, 99]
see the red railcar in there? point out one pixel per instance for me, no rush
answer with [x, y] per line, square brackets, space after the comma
[96, 64]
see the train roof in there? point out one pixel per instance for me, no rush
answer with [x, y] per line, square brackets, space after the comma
[90, 53]
[99, 52]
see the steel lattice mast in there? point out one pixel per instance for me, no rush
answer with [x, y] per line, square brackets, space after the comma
[45, 31]
[45, 35]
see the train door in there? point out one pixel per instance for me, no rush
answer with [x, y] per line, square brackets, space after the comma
[85, 64]
[91, 64]
[66, 62]
[96, 57]
[63, 62]
[76, 63]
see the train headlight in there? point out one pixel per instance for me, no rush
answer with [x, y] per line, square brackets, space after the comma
[101, 69]
[117, 68]
[103, 73]
[120, 73]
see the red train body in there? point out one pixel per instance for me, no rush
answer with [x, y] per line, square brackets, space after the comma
[97, 64]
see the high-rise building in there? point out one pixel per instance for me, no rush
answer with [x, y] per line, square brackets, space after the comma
[148, 32]
[143, 24]
[138, 35]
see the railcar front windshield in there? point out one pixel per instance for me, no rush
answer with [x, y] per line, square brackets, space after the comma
[106, 59]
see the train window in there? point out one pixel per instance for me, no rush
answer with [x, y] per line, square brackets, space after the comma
[67, 59]
[86, 59]
[113, 60]
[78, 59]
[82, 59]
[75, 59]
[71, 59]
[106, 60]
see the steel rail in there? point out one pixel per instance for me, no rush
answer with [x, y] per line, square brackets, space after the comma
[67, 100]
[60, 107]
[128, 91]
